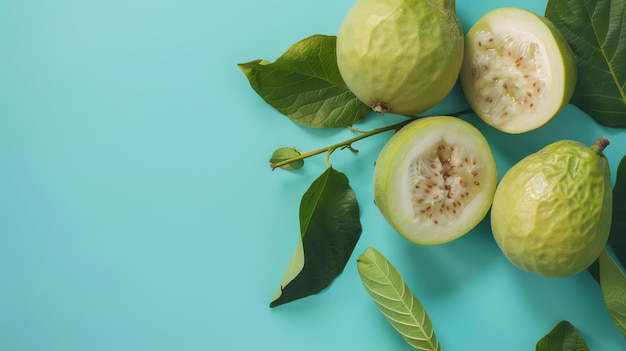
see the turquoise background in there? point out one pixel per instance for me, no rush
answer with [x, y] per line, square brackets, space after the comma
[138, 210]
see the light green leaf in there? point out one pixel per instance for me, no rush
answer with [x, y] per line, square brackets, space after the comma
[305, 85]
[595, 30]
[563, 337]
[395, 300]
[284, 154]
[613, 284]
[330, 227]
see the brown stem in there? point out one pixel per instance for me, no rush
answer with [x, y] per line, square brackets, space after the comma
[600, 144]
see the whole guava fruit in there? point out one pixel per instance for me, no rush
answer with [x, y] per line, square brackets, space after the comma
[518, 71]
[435, 179]
[551, 213]
[400, 56]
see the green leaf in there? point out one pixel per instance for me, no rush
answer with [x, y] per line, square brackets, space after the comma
[330, 227]
[617, 238]
[395, 300]
[563, 337]
[595, 30]
[284, 154]
[613, 285]
[305, 85]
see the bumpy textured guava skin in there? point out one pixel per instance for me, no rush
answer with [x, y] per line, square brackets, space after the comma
[551, 213]
[405, 54]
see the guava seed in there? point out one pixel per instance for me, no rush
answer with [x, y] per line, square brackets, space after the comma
[434, 179]
[518, 71]
[521, 63]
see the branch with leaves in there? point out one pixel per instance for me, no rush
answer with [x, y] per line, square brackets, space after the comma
[305, 85]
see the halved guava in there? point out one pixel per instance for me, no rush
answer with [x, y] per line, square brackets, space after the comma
[518, 71]
[435, 179]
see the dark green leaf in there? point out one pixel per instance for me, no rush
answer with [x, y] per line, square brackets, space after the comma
[595, 30]
[329, 230]
[617, 238]
[564, 337]
[284, 154]
[594, 270]
[305, 85]
[613, 284]
[396, 301]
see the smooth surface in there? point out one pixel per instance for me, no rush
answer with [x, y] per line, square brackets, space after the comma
[138, 210]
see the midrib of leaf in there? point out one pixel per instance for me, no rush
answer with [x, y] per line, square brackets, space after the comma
[614, 298]
[408, 309]
[613, 284]
[564, 336]
[314, 71]
[305, 85]
[326, 76]
[316, 200]
[326, 244]
[608, 62]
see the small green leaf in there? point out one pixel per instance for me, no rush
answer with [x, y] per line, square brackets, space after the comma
[284, 154]
[330, 227]
[305, 85]
[595, 30]
[563, 337]
[613, 284]
[617, 238]
[395, 300]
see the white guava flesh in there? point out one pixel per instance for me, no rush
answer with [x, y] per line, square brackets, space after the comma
[518, 71]
[435, 179]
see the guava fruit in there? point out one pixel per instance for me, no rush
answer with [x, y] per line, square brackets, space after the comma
[518, 72]
[551, 213]
[434, 180]
[400, 56]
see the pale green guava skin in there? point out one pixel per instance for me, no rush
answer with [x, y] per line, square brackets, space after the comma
[400, 56]
[551, 213]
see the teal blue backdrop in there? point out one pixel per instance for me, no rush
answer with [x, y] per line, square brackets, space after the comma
[138, 210]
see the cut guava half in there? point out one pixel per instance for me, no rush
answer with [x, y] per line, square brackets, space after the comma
[518, 71]
[435, 179]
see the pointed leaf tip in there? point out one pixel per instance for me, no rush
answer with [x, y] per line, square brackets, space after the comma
[563, 337]
[330, 228]
[305, 85]
[396, 301]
